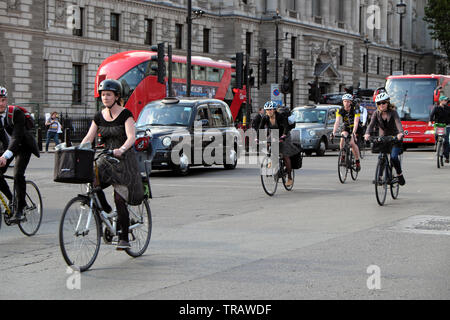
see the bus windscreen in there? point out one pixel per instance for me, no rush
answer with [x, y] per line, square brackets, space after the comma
[413, 98]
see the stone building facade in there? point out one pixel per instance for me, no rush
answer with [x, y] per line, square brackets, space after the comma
[50, 49]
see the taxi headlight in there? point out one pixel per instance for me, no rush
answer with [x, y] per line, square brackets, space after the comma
[166, 141]
[312, 133]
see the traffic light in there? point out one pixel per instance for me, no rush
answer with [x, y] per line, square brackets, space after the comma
[312, 92]
[264, 64]
[239, 69]
[161, 67]
[286, 86]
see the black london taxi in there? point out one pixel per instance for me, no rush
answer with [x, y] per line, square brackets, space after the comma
[179, 133]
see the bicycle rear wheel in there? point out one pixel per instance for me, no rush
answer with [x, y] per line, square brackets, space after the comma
[440, 154]
[32, 211]
[285, 179]
[79, 234]
[394, 186]
[140, 228]
[342, 166]
[269, 175]
[381, 178]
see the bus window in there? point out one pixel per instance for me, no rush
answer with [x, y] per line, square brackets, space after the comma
[135, 75]
[199, 73]
[212, 74]
[446, 89]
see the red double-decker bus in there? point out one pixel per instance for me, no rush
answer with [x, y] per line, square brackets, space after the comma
[210, 78]
[414, 96]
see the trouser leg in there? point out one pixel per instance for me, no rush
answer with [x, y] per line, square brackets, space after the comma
[123, 217]
[22, 160]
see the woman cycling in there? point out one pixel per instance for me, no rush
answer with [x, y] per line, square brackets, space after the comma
[276, 121]
[117, 128]
[389, 124]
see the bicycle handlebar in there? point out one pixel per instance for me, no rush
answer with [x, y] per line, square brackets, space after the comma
[384, 138]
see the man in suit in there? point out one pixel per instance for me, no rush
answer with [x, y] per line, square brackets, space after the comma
[19, 143]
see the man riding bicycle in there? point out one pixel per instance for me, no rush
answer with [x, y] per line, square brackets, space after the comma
[349, 114]
[19, 143]
[441, 114]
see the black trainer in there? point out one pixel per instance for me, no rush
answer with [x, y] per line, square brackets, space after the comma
[401, 180]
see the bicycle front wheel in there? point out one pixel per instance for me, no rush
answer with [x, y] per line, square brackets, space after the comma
[269, 175]
[140, 228]
[32, 211]
[353, 171]
[79, 234]
[381, 178]
[342, 166]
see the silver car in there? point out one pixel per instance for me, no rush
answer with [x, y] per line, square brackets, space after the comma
[313, 127]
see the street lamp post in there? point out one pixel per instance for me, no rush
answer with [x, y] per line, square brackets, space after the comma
[276, 18]
[401, 10]
[198, 13]
[366, 43]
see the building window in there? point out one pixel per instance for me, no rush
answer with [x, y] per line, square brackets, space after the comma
[291, 5]
[340, 10]
[79, 31]
[178, 36]
[248, 43]
[378, 65]
[341, 55]
[316, 8]
[391, 67]
[361, 20]
[293, 47]
[115, 19]
[148, 31]
[206, 35]
[76, 83]
[415, 68]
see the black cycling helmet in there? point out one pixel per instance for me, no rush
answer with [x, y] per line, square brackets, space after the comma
[110, 85]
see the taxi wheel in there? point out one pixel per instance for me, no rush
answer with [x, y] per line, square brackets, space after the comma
[320, 151]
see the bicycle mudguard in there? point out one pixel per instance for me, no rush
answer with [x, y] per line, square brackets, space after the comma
[85, 198]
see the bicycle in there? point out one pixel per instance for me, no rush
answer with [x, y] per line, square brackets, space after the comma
[272, 172]
[84, 223]
[383, 172]
[32, 212]
[441, 129]
[346, 161]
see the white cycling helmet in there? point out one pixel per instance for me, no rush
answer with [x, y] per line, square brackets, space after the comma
[347, 96]
[382, 97]
[3, 92]
[270, 105]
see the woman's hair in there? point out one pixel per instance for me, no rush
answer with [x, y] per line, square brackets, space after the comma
[54, 113]
[391, 106]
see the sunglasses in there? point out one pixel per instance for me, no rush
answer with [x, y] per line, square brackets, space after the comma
[382, 102]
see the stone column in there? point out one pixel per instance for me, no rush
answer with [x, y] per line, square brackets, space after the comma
[325, 8]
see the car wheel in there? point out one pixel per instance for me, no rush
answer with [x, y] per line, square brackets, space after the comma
[232, 158]
[183, 168]
[308, 152]
[320, 151]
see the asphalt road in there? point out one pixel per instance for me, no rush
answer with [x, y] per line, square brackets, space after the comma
[217, 235]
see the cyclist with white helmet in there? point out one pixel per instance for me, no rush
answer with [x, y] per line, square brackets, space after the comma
[389, 124]
[276, 121]
[349, 115]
